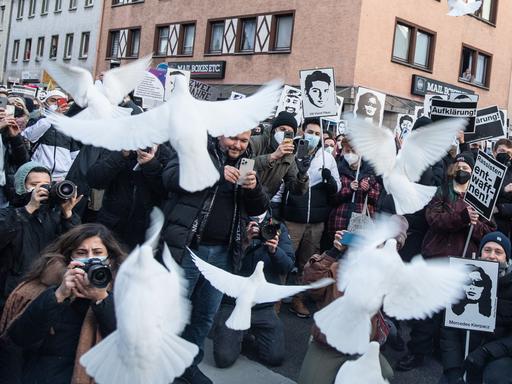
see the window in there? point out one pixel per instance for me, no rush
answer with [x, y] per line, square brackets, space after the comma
[89, 3]
[68, 46]
[187, 39]
[54, 46]
[40, 48]
[413, 46]
[21, 6]
[72, 5]
[84, 44]
[488, 11]
[58, 6]
[162, 36]
[32, 8]
[247, 35]
[28, 49]
[133, 42]
[475, 67]
[44, 7]
[114, 44]
[283, 32]
[216, 37]
[15, 50]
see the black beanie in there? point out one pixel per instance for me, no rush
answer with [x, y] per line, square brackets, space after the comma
[465, 157]
[285, 118]
[421, 122]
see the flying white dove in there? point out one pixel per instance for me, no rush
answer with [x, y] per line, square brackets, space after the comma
[151, 311]
[100, 99]
[371, 279]
[182, 120]
[249, 291]
[400, 172]
[463, 7]
[365, 370]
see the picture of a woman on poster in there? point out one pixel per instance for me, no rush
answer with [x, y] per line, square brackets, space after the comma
[369, 107]
[478, 294]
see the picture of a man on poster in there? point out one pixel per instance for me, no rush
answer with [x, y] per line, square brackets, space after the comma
[369, 107]
[404, 126]
[317, 88]
[292, 102]
[478, 293]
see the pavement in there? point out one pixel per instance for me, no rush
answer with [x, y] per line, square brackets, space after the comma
[248, 370]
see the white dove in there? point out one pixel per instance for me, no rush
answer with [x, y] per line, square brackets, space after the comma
[151, 311]
[461, 7]
[400, 172]
[249, 291]
[100, 100]
[371, 279]
[364, 370]
[184, 121]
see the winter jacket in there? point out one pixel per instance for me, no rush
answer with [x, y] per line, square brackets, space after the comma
[315, 205]
[448, 220]
[49, 333]
[22, 237]
[504, 206]
[273, 173]
[187, 213]
[130, 194]
[15, 155]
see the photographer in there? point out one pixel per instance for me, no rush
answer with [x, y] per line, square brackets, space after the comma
[53, 317]
[35, 220]
[271, 244]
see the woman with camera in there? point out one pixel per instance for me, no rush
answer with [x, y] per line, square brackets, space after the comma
[63, 307]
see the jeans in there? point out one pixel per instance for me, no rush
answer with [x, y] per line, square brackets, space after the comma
[205, 299]
[266, 327]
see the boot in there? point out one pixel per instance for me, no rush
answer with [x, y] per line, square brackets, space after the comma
[299, 308]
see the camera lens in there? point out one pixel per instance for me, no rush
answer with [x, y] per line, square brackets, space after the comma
[65, 189]
[99, 275]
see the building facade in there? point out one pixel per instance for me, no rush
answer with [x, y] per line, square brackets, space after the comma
[65, 31]
[401, 48]
[5, 18]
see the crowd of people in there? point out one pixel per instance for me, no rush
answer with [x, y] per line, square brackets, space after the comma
[65, 206]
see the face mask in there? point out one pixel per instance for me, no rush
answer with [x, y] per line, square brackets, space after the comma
[312, 140]
[329, 150]
[53, 107]
[503, 158]
[351, 158]
[279, 137]
[85, 260]
[259, 219]
[462, 177]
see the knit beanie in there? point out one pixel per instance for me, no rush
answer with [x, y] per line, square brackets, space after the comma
[465, 157]
[499, 238]
[21, 175]
[285, 118]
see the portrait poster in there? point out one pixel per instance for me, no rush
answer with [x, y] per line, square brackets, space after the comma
[369, 105]
[462, 105]
[419, 111]
[318, 92]
[291, 101]
[427, 103]
[342, 127]
[476, 311]
[404, 124]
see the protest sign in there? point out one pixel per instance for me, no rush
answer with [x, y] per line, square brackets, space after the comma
[462, 106]
[339, 103]
[169, 79]
[24, 90]
[485, 184]
[236, 96]
[369, 105]
[476, 311]
[151, 88]
[342, 127]
[404, 124]
[291, 101]
[318, 92]
[200, 90]
[427, 102]
[488, 125]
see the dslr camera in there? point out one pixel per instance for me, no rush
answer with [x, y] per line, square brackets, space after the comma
[60, 191]
[99, 274]
[268, 230]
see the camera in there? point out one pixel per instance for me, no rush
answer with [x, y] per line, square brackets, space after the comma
[60, 191]
[268, 230]
[99, 274]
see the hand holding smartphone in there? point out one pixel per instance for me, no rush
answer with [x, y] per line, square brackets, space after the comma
[246, 166]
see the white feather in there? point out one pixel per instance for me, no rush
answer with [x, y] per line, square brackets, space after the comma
[461, 7]
[365, 370]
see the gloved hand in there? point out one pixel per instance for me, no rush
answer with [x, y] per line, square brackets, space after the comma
[477, 359]
[326, 175]
[303, 165]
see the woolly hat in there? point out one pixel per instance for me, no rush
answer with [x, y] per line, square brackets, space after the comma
[285, 118]
[55, 93]
[499, 238]
[465, 157]
[21, 175]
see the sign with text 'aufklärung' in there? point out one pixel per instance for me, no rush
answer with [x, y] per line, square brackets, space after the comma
[485, 184]
[463, 106]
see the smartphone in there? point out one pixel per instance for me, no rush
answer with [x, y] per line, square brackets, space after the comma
[288, 137]
[302, 148]
[9, 110]
[348, 238]
[246, 166]
[3, 102]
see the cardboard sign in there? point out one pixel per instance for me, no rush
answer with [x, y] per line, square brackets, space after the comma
[318, 92]
[291, 101]
[476, 311]
[404, 124]
[369, 105]
[151, 88]
[488, 125]
[463, 106]
[485, 184]
[23, 90]
[427, 103]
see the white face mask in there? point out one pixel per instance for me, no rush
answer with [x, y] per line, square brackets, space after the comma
[86, 259]
[259, 219]
[351, 158]
[279, 136]
[329, 150]
[53, 107]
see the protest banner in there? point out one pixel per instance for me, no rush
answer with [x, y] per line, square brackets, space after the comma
[291, 101]
[427, 102]
[485, 184]
[488, 125]
[463, 106]
[151, 88]
[200, 90]
[318, 92]
[24, 90]
[369, 105]
[476, 311]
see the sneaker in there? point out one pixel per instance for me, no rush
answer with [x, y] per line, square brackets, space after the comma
[410, 361]
[299, 308]
[193, 375]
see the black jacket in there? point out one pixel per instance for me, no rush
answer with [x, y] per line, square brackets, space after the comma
[16, 154]
[48, 333]
[129, 195]
[504, 205]
[187, 213]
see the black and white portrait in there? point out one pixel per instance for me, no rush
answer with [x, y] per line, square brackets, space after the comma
[427, 103]
[318, 92]
[477, 308]
[419, 111]
[342, 127]
[404, 124]
[291, 101]
[370, 105]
